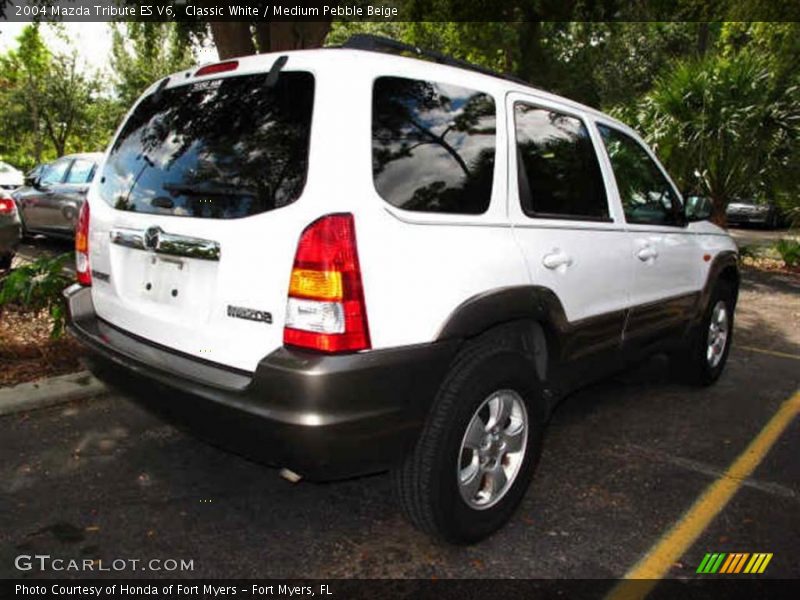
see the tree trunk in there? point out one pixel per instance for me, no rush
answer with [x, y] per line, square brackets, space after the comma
[232, 39]
[263, 37]
[37, 130]
[533, 64]
[236, 39]
[284, 36]
[718, 208]
[702, 38]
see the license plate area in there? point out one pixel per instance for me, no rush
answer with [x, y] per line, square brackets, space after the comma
[166, 280]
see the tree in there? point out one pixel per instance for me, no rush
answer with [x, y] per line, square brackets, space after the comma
[238, 38]
[66, 97]
[723, 124]
[50, 107]
[144, 52]
[25, 73]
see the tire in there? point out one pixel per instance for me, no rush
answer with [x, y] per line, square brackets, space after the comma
[695, 363]
[774, 221]
[5, 261]
[492, 371]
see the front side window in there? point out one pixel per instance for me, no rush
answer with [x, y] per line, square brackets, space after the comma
[81, 171]
[647, 196]
[558, 173]
[433, 145]
[220, 149]
[54, 172]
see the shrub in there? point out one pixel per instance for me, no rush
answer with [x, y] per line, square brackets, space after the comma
[747, 252]
[37, 286]
[790, 252]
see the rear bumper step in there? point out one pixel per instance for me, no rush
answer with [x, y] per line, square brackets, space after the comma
[321, 416]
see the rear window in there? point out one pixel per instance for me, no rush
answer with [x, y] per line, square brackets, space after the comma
[220, 149]
[81, 171]
[433, 145]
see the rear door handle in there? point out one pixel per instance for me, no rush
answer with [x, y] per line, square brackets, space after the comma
[647, 253]
[556, 259]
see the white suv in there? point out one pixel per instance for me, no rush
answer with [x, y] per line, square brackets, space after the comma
[341, 261]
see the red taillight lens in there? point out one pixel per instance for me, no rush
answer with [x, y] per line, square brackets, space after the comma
[82, 267]
[326, 310]
[7, 206]
[230, 65]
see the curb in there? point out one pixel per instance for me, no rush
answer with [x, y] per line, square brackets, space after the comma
[49, 392]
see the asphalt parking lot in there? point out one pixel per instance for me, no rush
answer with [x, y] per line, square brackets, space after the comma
[623, 461]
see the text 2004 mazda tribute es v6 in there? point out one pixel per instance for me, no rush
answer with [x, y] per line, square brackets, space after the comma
[339, 261]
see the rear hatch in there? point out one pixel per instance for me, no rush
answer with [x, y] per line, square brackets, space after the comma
[192, 217]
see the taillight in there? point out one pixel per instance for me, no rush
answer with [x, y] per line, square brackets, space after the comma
[7, 206]
[82, 268]
[326, 310]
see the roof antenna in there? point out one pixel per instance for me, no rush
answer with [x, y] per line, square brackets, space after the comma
[272, 77]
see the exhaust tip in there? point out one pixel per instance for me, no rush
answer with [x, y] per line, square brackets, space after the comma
[290, 475]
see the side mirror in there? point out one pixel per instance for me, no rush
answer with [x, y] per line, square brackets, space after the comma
[30, 181]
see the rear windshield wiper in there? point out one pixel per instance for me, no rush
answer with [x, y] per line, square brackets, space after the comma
[196, 189]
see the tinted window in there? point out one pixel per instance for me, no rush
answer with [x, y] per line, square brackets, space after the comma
[81, 171]
[433, 145]
[647, 197]
[221, 148]
[54, 172]
[558, 174]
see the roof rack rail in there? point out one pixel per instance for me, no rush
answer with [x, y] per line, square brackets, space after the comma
[377, 43]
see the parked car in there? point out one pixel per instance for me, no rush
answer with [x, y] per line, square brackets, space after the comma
[10, 229]
[54, 193]
[749, 212]
[341, 261]
[10, 178]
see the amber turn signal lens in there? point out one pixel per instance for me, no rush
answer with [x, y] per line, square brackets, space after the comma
[320, 285]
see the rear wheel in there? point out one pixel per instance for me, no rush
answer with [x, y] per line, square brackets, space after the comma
[478, 451]
[703, 359]
[5, 261]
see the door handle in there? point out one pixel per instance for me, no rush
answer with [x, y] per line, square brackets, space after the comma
[556, 259]
[647, 253]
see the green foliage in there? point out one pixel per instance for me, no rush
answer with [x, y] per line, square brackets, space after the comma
[37, 286]
[723, 125]
[144, 52]
[597, 63]
[50, 106]
[747, 252]
[789, 251]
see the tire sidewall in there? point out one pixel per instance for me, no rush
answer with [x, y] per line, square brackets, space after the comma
[711, 374]
[506, 370]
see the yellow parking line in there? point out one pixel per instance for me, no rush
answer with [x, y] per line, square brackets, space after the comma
[659, 559]
[769, 352]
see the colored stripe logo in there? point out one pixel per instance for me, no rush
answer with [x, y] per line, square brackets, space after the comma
[734, 563]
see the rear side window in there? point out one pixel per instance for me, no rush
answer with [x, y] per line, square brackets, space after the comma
[559, 175]
[433, 145]
[219, 149]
